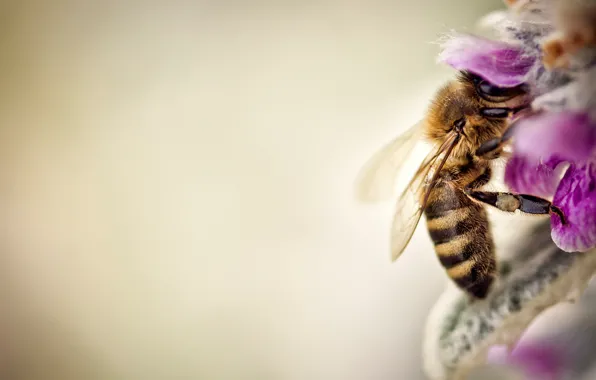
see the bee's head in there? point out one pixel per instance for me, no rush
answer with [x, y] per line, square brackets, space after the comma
[458, 109]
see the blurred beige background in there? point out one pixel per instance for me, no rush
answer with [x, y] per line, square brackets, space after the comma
[176, 188]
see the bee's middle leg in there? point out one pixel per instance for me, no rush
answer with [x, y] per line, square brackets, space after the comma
[510, 202]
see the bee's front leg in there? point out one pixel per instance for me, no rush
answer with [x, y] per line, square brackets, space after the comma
[493, 148]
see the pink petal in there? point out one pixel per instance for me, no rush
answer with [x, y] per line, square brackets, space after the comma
[540, 361]
[501, 64]
[568, 135]
[576, 196]
[497, 355]
[526, 176]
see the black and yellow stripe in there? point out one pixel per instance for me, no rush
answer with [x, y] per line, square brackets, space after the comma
[459, 230]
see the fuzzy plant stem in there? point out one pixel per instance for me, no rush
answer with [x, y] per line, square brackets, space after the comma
[459, 331]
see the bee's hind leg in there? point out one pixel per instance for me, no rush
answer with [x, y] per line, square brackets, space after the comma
[509, 202]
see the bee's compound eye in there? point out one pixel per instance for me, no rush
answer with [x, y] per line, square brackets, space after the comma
[488, 89]
[459, 124]
[490, 92]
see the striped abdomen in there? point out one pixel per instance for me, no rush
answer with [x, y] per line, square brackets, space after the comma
[459, 229]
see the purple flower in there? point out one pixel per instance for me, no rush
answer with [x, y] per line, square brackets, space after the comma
[537, 361]
[576, 196]
[568, 135]
[547, 143]
[500, 63]
[524, 176]
[542, 144]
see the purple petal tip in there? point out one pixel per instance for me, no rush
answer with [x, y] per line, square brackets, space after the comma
[527, 176]
[569, 135]
[499, 63]
[539, 361]
[576, 196]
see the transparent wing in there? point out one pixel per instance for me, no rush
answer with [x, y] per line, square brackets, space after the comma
[376, 179]
[412, 202]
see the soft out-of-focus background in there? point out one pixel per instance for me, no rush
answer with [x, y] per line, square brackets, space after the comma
[176, 187]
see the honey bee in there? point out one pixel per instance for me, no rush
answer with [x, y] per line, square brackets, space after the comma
[469, 123]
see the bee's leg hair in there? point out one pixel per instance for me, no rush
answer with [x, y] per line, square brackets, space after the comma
[511, 202]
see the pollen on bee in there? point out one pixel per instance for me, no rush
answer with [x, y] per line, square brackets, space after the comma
[507, 202]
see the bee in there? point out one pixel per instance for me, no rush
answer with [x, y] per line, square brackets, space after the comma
[469, 124]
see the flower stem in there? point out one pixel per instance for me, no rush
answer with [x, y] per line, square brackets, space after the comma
[460, 330]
